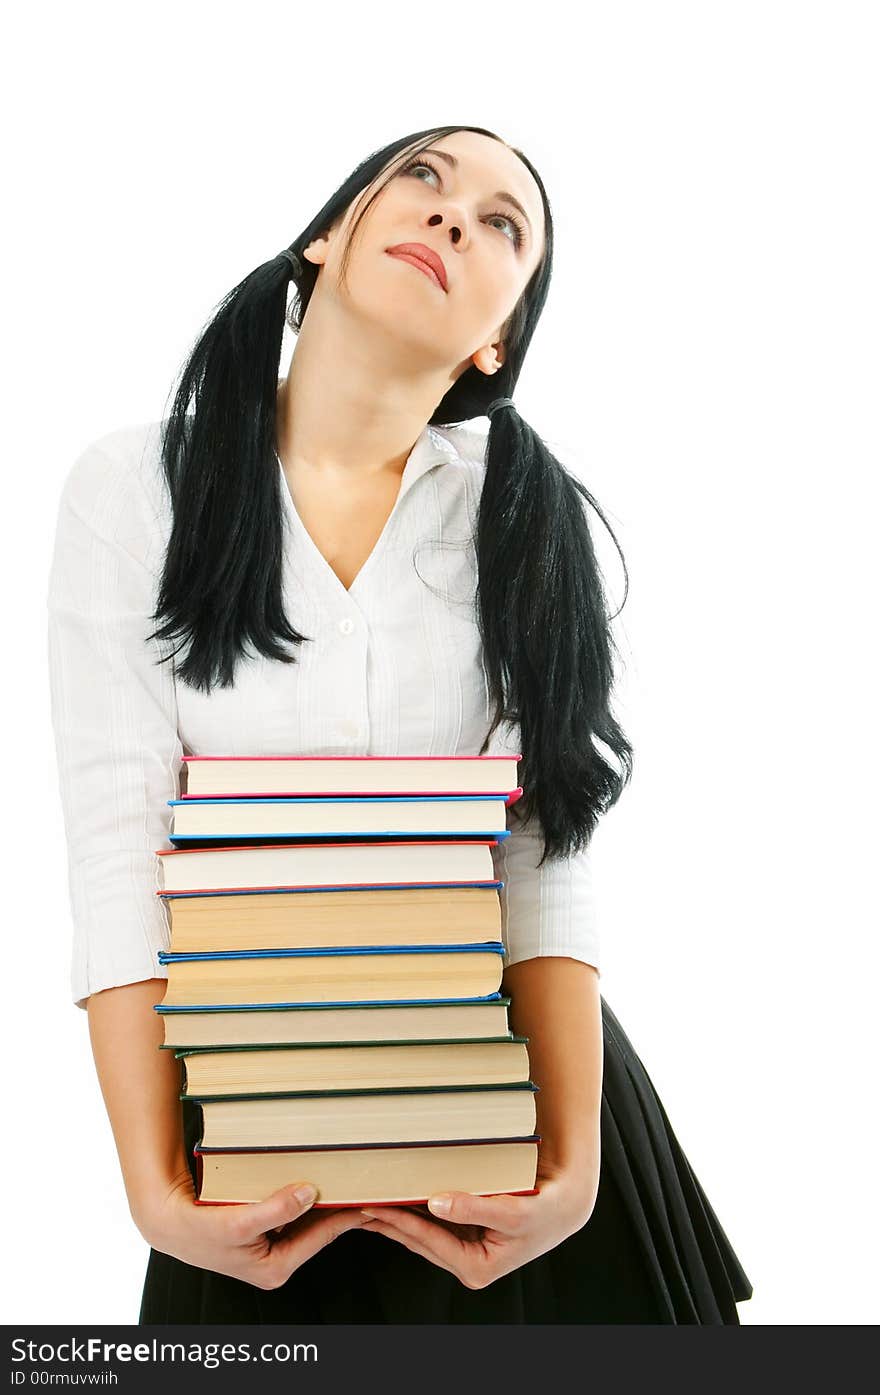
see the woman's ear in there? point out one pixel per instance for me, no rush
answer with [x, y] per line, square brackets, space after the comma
[316, 251]
[489, 359]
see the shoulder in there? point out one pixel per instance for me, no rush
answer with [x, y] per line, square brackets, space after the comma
[114, 493]
[115, 482]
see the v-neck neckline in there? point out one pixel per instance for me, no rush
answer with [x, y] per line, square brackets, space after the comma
[430, 449]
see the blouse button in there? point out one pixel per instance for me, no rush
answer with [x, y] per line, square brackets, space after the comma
[346, 626]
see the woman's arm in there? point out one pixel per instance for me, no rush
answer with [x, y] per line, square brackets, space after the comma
[556, 1004]
[551, 935]
[260, 1242]
[114, 713]
[141, 1086]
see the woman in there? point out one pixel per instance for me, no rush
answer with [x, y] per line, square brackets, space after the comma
[462, 574]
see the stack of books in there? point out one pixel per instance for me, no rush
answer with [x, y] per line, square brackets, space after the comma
[334, 978]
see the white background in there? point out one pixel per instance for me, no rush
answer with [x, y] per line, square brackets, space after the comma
[708, 364]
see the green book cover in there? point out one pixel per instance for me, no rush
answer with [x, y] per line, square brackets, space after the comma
[503, 1001]
[311, 1045]
[389, 1090]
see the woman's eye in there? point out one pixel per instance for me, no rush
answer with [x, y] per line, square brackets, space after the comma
[511, 222]
[419, 165]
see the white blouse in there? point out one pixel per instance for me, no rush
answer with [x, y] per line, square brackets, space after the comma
[395, 667]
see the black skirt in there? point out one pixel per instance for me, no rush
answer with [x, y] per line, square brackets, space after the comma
[652, 1251]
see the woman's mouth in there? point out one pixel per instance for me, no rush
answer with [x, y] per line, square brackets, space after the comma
[409, 252]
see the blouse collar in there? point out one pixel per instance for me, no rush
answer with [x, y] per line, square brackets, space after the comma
[431, 448]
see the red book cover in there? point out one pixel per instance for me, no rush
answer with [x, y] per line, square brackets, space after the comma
[322, 886]
[509, 796]
[355, 793]
[363, 842]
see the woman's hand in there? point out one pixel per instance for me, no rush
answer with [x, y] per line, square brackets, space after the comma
[261, 1242]
[481, 1238]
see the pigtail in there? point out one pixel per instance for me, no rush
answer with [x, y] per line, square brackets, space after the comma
[222, 582]
[546, 634]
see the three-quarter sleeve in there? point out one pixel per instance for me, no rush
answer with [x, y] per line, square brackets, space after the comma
[114, 717]
[544, 910]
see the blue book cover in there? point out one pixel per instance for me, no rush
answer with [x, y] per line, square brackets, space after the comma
[341, 1003]
[259, 801]
[482, 947]
[495, 997]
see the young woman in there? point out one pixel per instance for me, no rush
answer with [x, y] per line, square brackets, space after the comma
[442, 596]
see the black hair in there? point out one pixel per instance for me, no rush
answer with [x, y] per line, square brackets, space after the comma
[541, 605]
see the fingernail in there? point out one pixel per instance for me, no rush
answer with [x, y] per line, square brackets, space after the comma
[440, 1205]
[306, 1193]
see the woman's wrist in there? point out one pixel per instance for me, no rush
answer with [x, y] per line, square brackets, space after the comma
[150, 1199]
[575, 1174]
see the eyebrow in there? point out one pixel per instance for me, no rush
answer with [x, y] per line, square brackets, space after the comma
[452, 161]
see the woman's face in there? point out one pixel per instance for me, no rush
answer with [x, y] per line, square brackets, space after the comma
[488, 245]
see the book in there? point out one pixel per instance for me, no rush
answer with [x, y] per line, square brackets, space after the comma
[392, 816]
[348, 1117]
[333, 975]
[361, 1065]
[374, 775]
[396, 863]
[309, 917]
[286, 1024]
[378, 1175]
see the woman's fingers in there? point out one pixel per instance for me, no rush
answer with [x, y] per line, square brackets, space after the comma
[505, 1213]
[302, 1240]
[437, 1249]
[283, 1231]
[436, 1242]
[252, 1219]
